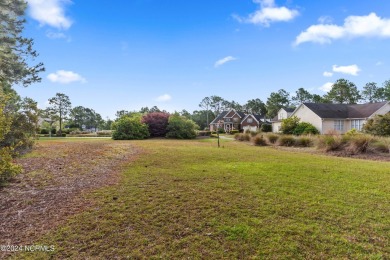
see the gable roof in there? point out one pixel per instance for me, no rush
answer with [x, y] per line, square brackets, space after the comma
[344, 110]
[219, 117]
[288, 109]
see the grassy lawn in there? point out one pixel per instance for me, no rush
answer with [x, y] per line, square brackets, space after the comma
[189, 199]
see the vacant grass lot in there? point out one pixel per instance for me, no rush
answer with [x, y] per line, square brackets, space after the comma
[189, 199]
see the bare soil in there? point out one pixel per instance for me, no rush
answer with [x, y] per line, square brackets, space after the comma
[56, 178]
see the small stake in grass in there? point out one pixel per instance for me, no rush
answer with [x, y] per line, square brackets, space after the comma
[218, 126]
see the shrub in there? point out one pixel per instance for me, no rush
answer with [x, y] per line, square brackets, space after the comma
[305, 128]
[304, 141]
[221, 130]
[129, 128]
[379, 125]
[107, 133]
[259, 140]
[286, 140]
[266, 128]
[381, 145]
[157, 123]
[359, 144]
[180, 127]
[272, 138]
[242, 137]
[44, 131]
[289, 125]
[330, 142]
[253, 133]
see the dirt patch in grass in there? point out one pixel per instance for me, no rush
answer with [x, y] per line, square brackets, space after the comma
[57, 176]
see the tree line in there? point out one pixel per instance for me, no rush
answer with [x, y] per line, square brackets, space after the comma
[342, 92]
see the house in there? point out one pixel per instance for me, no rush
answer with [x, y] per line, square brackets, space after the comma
[337, 117]
[237, 120]
[283, 113]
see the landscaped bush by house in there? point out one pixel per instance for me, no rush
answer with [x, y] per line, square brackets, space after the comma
[53, 131]
[259, 140]
[129, 128]
[379, 125]
[286, 140]
[180, 127]
[157, 123]
[266, 128]
[272, 138]
[221, 130]
[237, 136]
[304, 141]
[289, 125]
[253, 133]
[44, 131]
[305, 128]
[233, 132]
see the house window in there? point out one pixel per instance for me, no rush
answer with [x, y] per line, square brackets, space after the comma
[357, 124]
[339, 125]
[250, 120]
[235, 120]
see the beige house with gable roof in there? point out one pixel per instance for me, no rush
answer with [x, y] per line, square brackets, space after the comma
[335, 117]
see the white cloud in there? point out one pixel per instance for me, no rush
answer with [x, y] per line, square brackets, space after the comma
[379, 63]
[65, 77]
[354, 26]
[350, 70]
[50, 12]
[164, 98]
[327, 74]
[269, 13]
[326, 87]
[56, 35]
[325, 19]
[223, 61]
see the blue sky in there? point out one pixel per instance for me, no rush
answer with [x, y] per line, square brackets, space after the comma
[127, 54]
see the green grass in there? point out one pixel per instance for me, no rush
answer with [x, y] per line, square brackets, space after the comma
[189, 199]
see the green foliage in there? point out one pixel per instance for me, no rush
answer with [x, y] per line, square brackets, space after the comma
[304, 128]
[266, 128]
[344, 92]
[129, 128]
[289, 125]
[379, 125]
[255, 106]
[233, 132]
[286, 140]
[180, 127]
[60, 106]
[276, 101]
[16, 51]
[7, 167]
